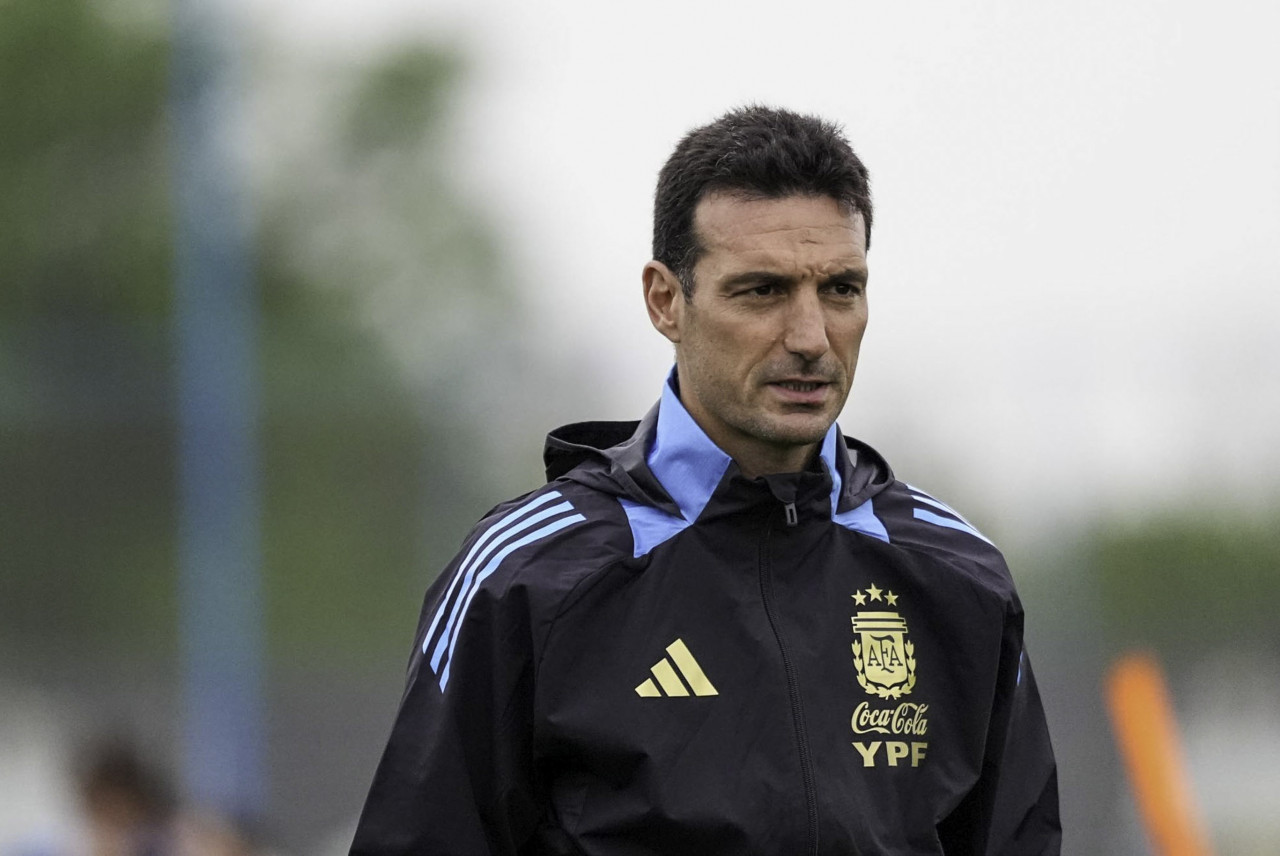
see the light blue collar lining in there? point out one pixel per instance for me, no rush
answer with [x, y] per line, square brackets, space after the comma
[830, 444]
[683, 458]
[689, 466]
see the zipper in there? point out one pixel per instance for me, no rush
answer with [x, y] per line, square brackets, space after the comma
[793, 689]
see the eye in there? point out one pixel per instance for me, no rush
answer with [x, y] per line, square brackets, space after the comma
[761, 289]
[846, 289]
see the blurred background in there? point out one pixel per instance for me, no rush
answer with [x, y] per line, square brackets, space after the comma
[290, 293]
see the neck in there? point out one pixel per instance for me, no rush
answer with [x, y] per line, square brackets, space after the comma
[768, 462]
[754, 455]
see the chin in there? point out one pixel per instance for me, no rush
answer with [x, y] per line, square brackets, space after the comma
[798, 432]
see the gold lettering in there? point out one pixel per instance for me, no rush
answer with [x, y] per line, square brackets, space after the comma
[894, 751]
[868, 753]
[909, 719]
[906, 718]
[867, 720]
[889, 653]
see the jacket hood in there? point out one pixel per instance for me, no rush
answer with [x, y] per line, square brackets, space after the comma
[665, 460]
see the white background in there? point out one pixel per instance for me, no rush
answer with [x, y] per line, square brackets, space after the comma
[1074, 261]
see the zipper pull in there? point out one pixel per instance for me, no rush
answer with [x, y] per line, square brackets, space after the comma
[790, 509]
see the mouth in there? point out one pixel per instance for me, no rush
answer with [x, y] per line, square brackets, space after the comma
[800, 385]
[801, 391]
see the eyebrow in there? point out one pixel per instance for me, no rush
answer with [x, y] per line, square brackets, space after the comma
[764, 277]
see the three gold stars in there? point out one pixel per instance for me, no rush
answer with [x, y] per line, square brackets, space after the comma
[875, 593]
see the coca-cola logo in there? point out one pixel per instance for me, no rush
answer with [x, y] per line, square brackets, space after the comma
[906, 718]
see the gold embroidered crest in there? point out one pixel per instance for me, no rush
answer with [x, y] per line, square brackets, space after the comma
[883, 656]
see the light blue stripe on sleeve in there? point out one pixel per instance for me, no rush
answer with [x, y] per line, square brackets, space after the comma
[920, 496]
[941, 506]
[468, 585]
[939, 520]
[466, 563]
[923, 496]
[554, 526]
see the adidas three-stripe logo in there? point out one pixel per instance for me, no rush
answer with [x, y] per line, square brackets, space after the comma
[668, 677]
[541, 515]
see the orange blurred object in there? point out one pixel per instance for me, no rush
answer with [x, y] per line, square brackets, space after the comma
[1147, 733]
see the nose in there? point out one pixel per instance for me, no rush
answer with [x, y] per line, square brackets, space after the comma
[806, 333]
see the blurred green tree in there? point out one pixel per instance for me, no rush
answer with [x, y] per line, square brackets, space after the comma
[392, 351]
[85, 435]
[367, 260]
[84, 223]
[1191, 585]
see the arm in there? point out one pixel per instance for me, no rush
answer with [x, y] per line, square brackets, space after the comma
[1025, 820]
[456, 776]
[1013, 808]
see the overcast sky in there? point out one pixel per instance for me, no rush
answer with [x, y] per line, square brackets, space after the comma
[1075, 275]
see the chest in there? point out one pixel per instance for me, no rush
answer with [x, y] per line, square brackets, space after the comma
[767, 689]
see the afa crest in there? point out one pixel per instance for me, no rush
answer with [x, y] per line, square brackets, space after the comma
[883, 655]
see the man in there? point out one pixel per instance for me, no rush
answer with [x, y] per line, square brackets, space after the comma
[726, 628]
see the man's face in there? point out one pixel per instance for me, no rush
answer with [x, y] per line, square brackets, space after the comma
[767, 346]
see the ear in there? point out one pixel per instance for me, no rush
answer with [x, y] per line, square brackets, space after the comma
[664, 298]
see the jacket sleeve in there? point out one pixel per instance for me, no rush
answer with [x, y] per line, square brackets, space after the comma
[1013, 808]
[1025, 817]
[456, 775]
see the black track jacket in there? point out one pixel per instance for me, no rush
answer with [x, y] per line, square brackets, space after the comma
[655, 655]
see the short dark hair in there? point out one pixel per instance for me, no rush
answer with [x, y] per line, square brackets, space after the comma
[759, 153]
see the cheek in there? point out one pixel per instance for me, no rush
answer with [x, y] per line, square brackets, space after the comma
[849, 334]
[709, 353]
[735, 345]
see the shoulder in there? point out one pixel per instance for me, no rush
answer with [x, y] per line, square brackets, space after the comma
[921, 522]
[545, 540]
[516, 567]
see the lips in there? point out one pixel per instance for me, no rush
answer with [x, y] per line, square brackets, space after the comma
[801, 391]
[800, 385]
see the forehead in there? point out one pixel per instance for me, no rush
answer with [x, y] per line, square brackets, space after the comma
[794, 230]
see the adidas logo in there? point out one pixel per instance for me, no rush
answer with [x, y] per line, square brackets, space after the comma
[668, 677]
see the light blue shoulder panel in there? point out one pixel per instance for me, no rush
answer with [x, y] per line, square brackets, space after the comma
[863, 519]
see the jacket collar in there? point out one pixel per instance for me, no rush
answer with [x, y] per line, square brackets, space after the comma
[667, 462]
[690, 466]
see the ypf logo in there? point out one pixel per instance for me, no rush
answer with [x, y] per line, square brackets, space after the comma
[884, 657]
